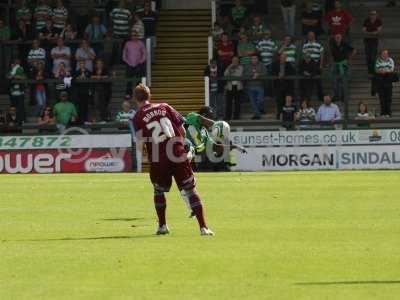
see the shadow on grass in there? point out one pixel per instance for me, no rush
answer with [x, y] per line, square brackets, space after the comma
[356, 282]
[96, 238]
[123, 219]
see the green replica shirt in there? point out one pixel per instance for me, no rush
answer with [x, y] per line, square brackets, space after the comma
[64, 111]
[196, 132]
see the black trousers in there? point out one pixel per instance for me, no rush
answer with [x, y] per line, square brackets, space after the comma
[19, 103]
[385, 92]
[134, 72]
[307, 88]
[233, 98]
[371, 52]
[83, 99]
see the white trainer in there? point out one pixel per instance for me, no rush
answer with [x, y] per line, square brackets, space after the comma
[206, 231]
[162, 230]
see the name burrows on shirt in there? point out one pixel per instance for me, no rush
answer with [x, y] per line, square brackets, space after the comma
[149, 116]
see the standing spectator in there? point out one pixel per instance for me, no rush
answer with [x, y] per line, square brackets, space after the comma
[17, 90]
[341, 54]
[213, 71]
[282, 86]
[257, 29]
[40, 88]
[46, 117]
[217, 31]
[238, 13]
[83, 91]
[226, 51]
[328, 111]
[267, 48]
[385, 77]
[290, 49]
[5, 33]
[24, 13]
[82, 16]
[64, 75]
[255, 86]
[134, 55]
[138, 26]
[372, 28]
[95, 31]
[64, 112]
[289, 112]
[41, 14]
[59, 16]
[306, 114]
[288, 8]
[227, 25]
[101, 93]
[245, 50]
[61, 54]
[47, 34]
[234, 89]
[22, 33]
[87, 54]
[314, 48]
[149, 19]
[311, 20]
[338, 20]
[120, 19]
[310, 69]
[36, 54]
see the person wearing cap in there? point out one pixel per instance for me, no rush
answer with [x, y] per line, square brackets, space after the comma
[64, 112]
[134, 56]
[372, 28]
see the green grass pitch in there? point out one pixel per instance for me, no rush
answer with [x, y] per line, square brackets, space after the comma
[305, 235]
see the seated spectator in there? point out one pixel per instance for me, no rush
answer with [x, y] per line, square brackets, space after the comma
[213, 71]
[61, 54]
[306, 114]
[255, 86]
[385, 76]
[138, 26]
[87, 54]
[338, 20]
[40, 88]
[125, 116]
[69, 33]
[310, 69]
[59, 16]
[64, 112]
[282, 86]
[46, 117]
[245, 50]
[226, 51]
[120, 19]
[17, 90]
[41, 14]
[288, 114]
[101, 93]
[134, 56]
[363, 115]
[24, 13]
[11, 117]
[341, 54]
[238, 13]
[288, 8]
[257, 29]
[267, 48]
[372, 28]
[5, 33]
[64, 75]
[83, 91]
[234, 89]
[290, 49]
[36, 55]
[311, 20]
[328, 111]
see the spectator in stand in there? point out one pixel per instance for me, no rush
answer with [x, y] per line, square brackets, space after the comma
[372, 28]
[226, 51]
[288, 114]
[245, 50]
[101, 93]
[328, 111]
[257, 29]
[267, 48]
[95, 31]
[338, 20]
[17, 90]
[125, 116]
[47, 35]
[36, 54]
[213, 71]
[40, 88]
[24, 13]
[120, 19]
[22, 32]
[149, 19]
[255, 86]
[238, 13]
[290, 49]
[134, 56]
[61, 54]
[5, 33]
[64, 112]
[234, 89]
[310, 69]
[288, 8]
[12, 117]
[87, 54]
[363, 115]
[306, 114]
[217, 31]
[64, 75]
[46, 117]
[342, 54]
[314, 48]
[311, 20]
[138, 26]
[282, 86]
[69, 33]
[83, 91]
[227, 25]
[41, 14]
[385, 77]
[59, 16]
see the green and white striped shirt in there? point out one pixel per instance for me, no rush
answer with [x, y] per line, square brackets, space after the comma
[60, 13]
[42, 13]
[314, 49]
[25, 14]
[382, 64]
[290, 51]
[125, 116]
[37, 54]
[267, 49]
[121, 18]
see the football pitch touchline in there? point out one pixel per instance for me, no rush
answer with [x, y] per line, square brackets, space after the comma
[357, 282]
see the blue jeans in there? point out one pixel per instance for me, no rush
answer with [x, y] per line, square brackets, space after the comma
[256, 95]
[289, 18]
[40, 102]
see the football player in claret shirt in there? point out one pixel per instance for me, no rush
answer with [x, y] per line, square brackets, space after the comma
[160, 128]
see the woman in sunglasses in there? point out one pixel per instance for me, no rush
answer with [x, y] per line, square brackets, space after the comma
[46, 117]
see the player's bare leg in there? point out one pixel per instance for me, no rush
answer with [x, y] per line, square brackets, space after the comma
[160, 204]
[197, 208]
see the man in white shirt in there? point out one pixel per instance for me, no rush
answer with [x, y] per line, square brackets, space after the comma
[61, 54]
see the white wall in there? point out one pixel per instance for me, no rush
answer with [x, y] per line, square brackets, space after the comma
[186, 4]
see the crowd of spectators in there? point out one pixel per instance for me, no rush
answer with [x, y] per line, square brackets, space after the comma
[42, 42]
[290, 70]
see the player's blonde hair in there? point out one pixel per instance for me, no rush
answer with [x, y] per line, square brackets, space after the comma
[142, 93]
